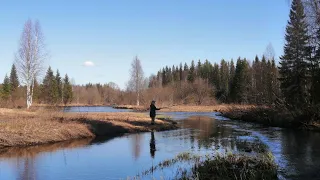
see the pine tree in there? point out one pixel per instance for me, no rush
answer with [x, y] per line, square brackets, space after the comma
[294, 76]
[59, 87]
[67, 90]
[191, 74]
[6, 88]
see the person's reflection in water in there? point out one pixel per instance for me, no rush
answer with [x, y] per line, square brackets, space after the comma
[152, 145]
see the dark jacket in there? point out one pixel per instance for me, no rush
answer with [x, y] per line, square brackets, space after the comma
[153, 109]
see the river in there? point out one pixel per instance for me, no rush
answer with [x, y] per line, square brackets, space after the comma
[297, 153]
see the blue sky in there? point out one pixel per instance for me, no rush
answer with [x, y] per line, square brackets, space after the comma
[110, 33]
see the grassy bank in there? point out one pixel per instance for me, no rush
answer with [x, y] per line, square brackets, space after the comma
[234, 167]
[23, 128]
[227, 167]
[271, 117]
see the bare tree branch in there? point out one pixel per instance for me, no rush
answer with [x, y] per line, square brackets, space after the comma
[30, 56]
[137, 80]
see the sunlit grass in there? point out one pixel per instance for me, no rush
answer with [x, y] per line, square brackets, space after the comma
[23, 128]
[220, 166]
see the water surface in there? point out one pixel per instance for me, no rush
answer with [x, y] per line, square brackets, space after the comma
[297, 153]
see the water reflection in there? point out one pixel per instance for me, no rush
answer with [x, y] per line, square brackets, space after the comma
[27, 169]
[212, 134]
[24, 160]
[136, 145]
[152, 145]
[34, 151]
[302, 151]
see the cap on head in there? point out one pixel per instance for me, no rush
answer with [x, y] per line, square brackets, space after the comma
[153, 101]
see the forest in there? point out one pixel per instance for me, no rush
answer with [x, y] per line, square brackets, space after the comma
[292, 83]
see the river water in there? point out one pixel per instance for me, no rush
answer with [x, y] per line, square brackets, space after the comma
[297, 153]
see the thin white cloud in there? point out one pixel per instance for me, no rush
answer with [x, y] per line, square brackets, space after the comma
[88, 63]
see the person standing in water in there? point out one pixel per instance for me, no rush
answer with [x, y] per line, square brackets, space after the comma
[153, 109]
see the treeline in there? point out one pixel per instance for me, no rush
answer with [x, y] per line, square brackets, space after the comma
[53, 90]
[246, 81]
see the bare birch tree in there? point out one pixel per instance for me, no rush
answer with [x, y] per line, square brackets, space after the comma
[30, 56]
[269, 53]
[137, 80]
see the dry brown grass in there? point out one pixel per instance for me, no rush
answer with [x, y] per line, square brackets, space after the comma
[23, 128]
[214, 108]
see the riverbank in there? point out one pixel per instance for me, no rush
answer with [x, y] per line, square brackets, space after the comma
[24, 128]
[271, 117]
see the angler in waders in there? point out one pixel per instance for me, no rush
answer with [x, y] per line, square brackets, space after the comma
[153, 109]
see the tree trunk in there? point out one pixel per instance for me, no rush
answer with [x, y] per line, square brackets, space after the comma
[138, 97]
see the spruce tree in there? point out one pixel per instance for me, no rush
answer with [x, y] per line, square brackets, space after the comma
[191, 74]
[181, 73]
[256, 83]
[293, 70]
[224, 78]
[241, 82]
[6, 88]
[269, 83]
[206, 70]
[199, 69]
[14, 80]
[216, 77]
[231, 77]
[36, 91]
[67, 90]
[264, 75]
[315, 72]
[164, 79]
[14, 83]
[59, 86]
[177, 74]
[50, 88]
[185, 71]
